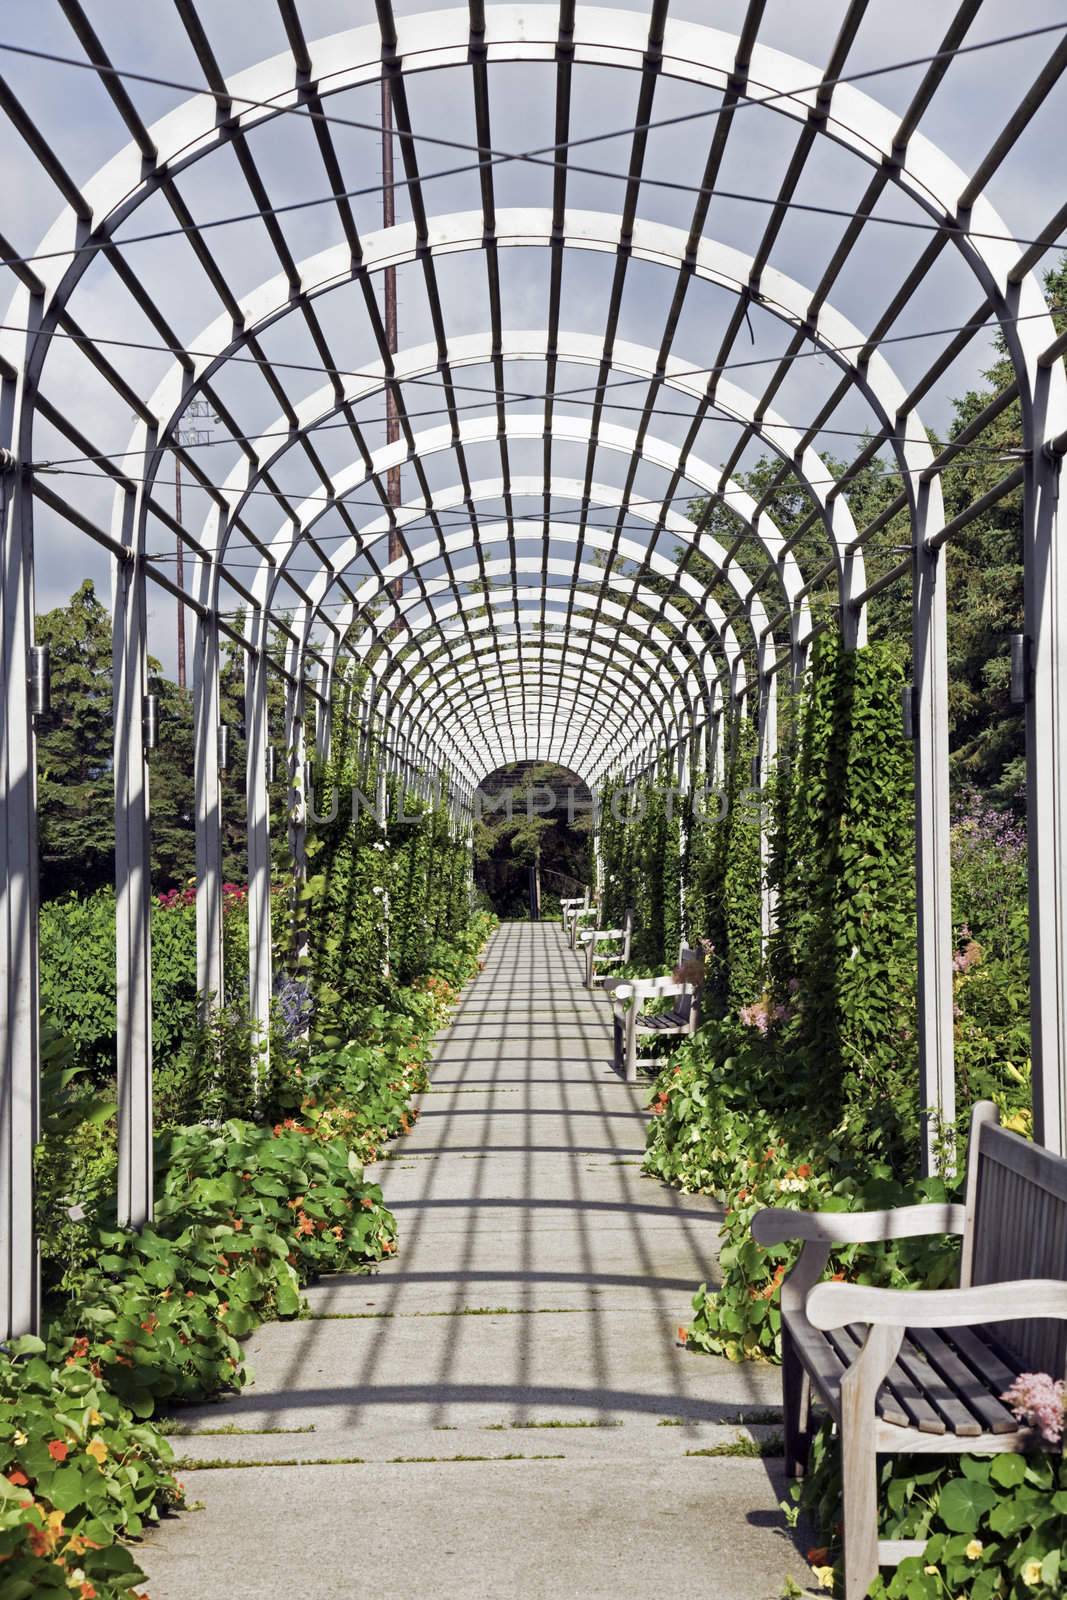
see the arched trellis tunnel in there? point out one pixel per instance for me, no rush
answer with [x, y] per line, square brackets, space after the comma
[575, 572]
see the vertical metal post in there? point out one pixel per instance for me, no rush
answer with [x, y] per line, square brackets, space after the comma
[767, 735]
[19, 1036]
[260, 962]
[933, 865]
[295, 753]
[133, 879]
[324, 713]
[207, 816]
[1045, 591]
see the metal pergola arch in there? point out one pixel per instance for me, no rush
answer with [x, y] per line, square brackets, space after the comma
[564, 38]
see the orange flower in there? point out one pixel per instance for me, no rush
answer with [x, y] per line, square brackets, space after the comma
[238, 1225]
[367, 1203]
[58, 1450]
[819, 1557]
[683, 1335]
[98, 1450]
[388, 1245]
[87, 1592]
[804, 1170]
[304, 1224]
[18, 1478]
[150, 1323]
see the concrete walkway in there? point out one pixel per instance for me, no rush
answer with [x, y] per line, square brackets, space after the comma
[511, 1385]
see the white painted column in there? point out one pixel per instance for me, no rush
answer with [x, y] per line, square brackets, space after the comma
[295, 755]
[133, 885]
[207, 816]
[19, 1035]
[933, 864]
[260, 955]
[767, 735]
[1045, 590]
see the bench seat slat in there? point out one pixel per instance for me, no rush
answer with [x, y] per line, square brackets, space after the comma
[940, 1383]
[901, 1395]
[977, 1385]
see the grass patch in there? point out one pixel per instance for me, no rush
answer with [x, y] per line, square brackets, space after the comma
[774, 1446]
[512, 1455]
[462, 1311]
[219, 1464]
[559, 1422]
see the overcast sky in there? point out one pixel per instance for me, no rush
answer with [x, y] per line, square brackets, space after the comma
[145, 35]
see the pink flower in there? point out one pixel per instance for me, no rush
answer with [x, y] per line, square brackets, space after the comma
[1038, 1400]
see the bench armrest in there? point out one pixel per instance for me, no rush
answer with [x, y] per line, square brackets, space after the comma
[652, 988]
[780, 1225]
[834, 1305]
[606, 933]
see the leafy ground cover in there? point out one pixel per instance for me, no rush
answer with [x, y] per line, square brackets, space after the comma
[249, 1209]
[799, 1089]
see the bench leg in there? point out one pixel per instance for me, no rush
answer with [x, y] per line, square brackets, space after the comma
[859, 1460]
[631, 1043]
[796, 1407]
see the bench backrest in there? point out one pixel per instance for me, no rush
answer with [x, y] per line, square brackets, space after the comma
[1017, 1228]
[683, 1009]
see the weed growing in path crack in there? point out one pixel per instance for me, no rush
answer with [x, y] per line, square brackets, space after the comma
[220, 1464]
[512, 1455]
[773, 1446]
[560, 1422]
[179, 1430]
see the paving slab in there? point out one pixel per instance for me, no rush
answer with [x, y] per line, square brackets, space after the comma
[505, 1409]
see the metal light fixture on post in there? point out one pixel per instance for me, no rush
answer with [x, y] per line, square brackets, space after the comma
[40, 679]
[150, 717]
[1021, 669]
[224, 747]
[272, 763]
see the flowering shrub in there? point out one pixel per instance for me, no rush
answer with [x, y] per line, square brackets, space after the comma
[76, 1473]
[246, 1216]
[1039, 1401]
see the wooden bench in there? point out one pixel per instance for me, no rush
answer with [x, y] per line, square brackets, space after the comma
[581, 923]
[595, 958]
[630, 1021]
[905, 1371]
[569, 910]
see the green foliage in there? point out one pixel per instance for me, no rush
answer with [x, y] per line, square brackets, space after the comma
[641, 830]
[843, 869]
[75, 790]
[513, 834]
[77, 1472]
[78, 973]
[995, 1526]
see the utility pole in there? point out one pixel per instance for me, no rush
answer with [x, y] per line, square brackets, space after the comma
[196, 411]
[392, 421]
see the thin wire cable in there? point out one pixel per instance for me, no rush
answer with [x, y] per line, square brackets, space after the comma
[522, 397]
[539, 155]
